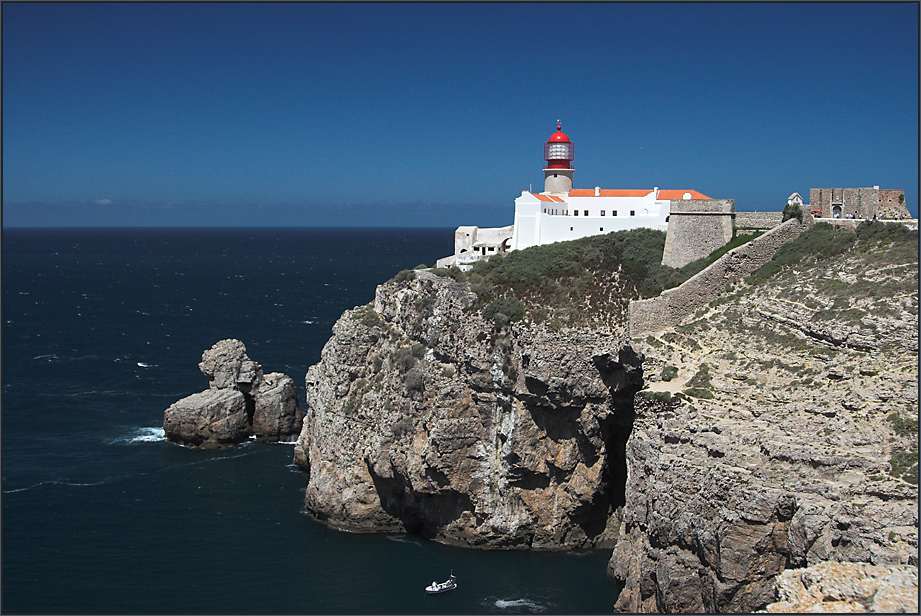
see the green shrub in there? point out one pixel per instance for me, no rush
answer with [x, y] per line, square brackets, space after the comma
[669, 372]
[877, 231]
[699, 392]
[367, 316]
[511, 307]
[792, 210]
[404, 275]
[660, 396]
[904, 465]
[452, 272]
[413, 380]
[902, 426]
[403, 359]
[701, 379]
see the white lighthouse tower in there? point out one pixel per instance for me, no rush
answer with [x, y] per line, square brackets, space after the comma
[558, 152]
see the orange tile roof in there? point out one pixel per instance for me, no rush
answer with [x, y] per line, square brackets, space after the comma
[664, 195]
[679, 194]
[615, 192]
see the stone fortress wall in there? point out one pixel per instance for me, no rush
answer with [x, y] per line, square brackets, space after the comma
[697, 227]
[864, 203]
[757, 220]
[673, 305]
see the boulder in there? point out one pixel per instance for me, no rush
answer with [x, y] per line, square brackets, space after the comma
[227, 366]
[210, 418]
[277, 414]
[240, 402]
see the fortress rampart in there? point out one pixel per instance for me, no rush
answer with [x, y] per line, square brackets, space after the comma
[668, 309]
[697, 227]
[758, 220]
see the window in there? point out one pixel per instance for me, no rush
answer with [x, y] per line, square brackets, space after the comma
[575, 212]
[614, 213]
[570, 228]
[491, 249]
[601, 228]
[586, 212]
[633, 212]
[602, 212]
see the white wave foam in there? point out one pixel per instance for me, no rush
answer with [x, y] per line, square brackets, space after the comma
[143, 365]
[531, 606]
[143, 435]
[58, 483]
[308, 322]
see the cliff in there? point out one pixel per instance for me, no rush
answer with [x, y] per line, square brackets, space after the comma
[424, 416]
[784, 437]
[776, 427]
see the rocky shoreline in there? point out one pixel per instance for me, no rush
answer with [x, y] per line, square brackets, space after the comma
[763, 448]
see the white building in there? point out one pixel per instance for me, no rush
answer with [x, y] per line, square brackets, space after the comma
[562, 213]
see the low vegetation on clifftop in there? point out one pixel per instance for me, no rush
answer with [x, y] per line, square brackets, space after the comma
[588, 281]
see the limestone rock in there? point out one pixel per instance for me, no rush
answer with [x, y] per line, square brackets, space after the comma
[227, 366]
[277, 414]
[847, 587]
[423, 417]
[240, 402]
[210, 418]
[811, 459]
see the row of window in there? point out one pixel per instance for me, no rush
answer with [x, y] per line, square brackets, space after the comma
[553, 212]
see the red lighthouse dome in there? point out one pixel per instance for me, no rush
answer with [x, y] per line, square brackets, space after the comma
[559, 135]
[559, 150]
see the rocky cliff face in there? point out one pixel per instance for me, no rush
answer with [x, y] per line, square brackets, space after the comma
[794, 443]
[776, 430]
[847, 587]
[422, 416]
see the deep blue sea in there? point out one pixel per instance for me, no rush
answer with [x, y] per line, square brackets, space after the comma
[102, 330]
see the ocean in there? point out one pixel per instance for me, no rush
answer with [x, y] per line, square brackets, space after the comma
[102, 330]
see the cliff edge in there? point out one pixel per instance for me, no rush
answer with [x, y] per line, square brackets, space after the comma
[777, 431]
[425, 416]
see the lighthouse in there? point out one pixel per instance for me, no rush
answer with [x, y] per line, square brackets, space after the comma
[558, 152]
[561, 212]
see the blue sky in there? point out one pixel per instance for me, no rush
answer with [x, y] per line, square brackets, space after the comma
[435, 115]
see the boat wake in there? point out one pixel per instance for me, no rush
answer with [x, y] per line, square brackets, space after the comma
[520, 606]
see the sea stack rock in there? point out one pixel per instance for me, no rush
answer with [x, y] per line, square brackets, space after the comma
[240, 402]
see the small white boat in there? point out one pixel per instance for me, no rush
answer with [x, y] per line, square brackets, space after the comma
[437, 587]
